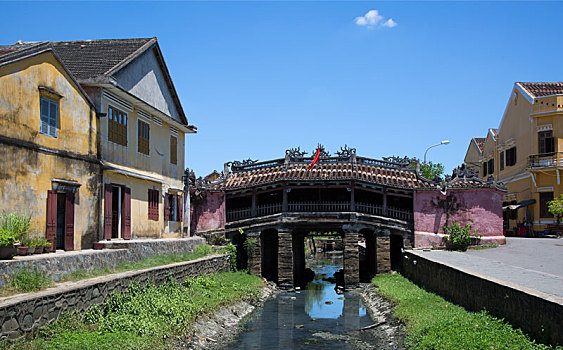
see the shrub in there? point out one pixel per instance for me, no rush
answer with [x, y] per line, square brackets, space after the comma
[231, 249]
[29, 281]
[555, 207]
[17, 224]
[7, 237]
[458, 238]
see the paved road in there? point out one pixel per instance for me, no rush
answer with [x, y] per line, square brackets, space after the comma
[533, 263]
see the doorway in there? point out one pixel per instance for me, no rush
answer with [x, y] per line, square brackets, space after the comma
[60, 238]
[116, 212]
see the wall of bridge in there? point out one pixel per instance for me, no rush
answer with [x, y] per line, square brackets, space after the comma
[208, 213]
[479, 207]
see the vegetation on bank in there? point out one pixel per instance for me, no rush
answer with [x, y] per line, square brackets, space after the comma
[24, 281]
[433, 323]
[147, 316]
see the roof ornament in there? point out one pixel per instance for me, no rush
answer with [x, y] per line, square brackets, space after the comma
[401, 161]
[295, 153]
[237, 165]
[346, 152]
[323, 153]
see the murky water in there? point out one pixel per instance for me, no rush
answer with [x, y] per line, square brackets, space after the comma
[315, 318]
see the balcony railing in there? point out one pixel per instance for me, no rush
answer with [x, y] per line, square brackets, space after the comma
[325, 206]
[318, 206]
[268, 209]
[546, 160]
[239, 214]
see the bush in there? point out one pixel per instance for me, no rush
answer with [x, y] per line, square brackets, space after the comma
[29, 281]
[458, 238]
[7, 237]
[17, 224]
[232, 251]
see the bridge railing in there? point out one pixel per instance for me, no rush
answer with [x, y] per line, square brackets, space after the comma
[268, 209]
[323, 206]
[318, 206]
[239, 214]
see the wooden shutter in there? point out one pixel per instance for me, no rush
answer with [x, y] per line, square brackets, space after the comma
[107, 211]
[166, 208]
[69, 221]
[180, 207]
[51, 232]
[126, 214]
[150, 206]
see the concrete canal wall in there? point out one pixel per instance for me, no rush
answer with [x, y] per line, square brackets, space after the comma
[24, 314]
[536, 313]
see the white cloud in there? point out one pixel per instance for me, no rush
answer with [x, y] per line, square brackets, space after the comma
[390, 23]
[373, 19]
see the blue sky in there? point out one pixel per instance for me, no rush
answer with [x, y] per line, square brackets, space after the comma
[257, 78]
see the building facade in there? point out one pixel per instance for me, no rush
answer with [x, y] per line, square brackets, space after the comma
[48, 147]
[525, 155]
[142, 134]
[105, 157]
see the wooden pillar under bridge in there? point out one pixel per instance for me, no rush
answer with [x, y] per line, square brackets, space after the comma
[383, 243]
[351, 259]
[285, 259]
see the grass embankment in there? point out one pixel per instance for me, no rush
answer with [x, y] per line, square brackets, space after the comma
[146, 317]
[433, 323]
[25, 281]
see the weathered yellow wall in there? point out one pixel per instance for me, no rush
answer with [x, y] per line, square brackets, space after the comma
[26, 173]
[20, 108]
[472, 157]
[141, 226]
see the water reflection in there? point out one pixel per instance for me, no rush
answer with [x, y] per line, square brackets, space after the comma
[318, 317]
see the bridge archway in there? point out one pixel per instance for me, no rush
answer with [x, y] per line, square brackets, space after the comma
[368, 254]
[269, 245]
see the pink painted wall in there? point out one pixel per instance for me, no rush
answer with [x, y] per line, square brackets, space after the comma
[208, 213]
[481, 208]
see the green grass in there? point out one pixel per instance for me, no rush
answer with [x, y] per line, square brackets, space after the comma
[433, 323]
[25, 281]
[153, 261]
[146, 317]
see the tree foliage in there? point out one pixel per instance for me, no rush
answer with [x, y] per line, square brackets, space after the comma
[555, 207]
[431, 170]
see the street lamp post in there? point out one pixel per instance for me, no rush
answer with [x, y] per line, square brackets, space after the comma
[444, 142]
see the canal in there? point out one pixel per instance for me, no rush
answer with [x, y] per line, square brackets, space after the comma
[318, 317]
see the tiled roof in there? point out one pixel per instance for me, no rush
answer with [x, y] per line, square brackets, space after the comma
[543, 89]
[494, 132]
[19, 50]
[480, 142]
[88, 59]
[375, 174]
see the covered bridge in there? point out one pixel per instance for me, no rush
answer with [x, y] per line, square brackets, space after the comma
[386, 203]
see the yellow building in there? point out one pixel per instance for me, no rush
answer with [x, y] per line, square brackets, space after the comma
[474, 153]
[526, 154]
[142, 129]
[48, 146]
